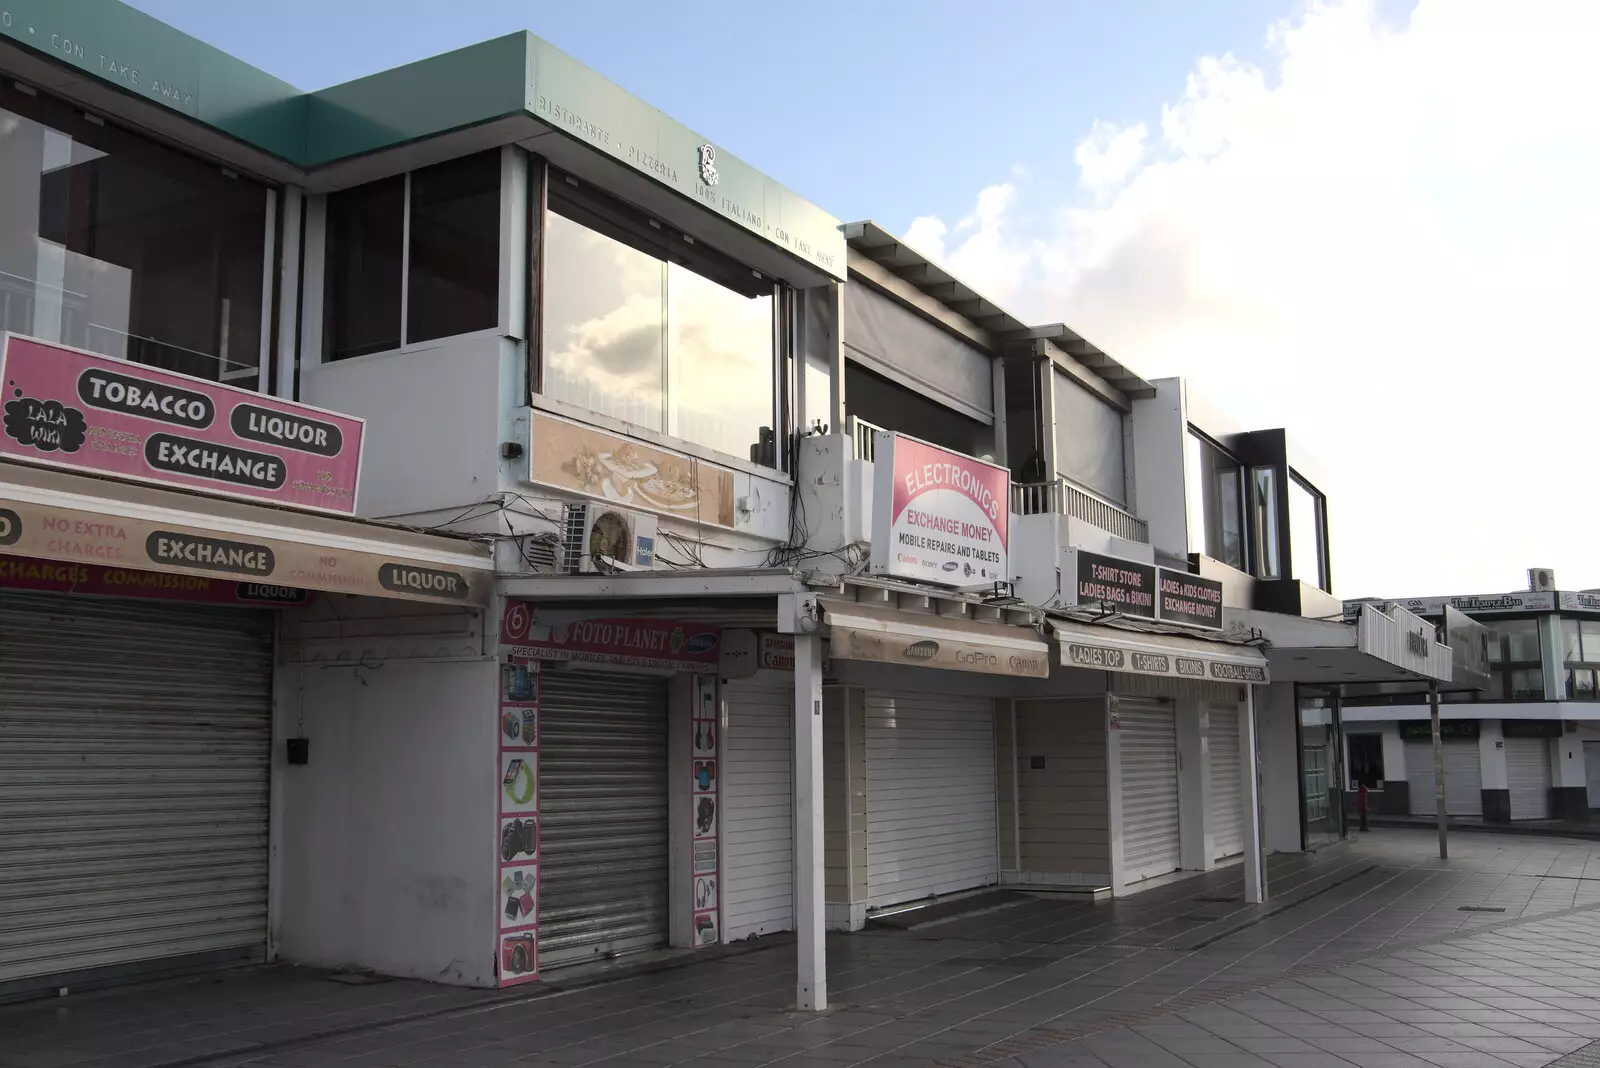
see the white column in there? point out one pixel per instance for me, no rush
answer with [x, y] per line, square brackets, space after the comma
[288, 278]
[1255, 872]
[1491, 755]
[1196, 834]
[811, 983]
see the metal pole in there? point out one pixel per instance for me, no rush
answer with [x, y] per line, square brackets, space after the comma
[1255, 869]
[811, 980]
[1438, 770]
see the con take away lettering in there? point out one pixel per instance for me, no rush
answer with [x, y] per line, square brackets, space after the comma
[952, 476]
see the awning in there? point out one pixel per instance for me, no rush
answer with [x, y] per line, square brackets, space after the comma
[892, 636]
[53, 515]
[1103, 648]
[1331, 652]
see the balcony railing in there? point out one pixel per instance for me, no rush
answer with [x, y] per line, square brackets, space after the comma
[1066, 498]
[864, 435]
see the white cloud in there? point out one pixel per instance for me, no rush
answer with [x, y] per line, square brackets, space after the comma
[1109, 154]
[1385, 242]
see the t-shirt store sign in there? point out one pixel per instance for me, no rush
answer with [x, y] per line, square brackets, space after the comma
[82, 411]
[939, 516]
[1144, 591]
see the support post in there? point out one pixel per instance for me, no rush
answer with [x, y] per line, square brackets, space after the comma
[1255, 870]
[811, 983]
[1438, 770]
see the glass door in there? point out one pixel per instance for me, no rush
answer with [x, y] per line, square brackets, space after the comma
[1321, 766]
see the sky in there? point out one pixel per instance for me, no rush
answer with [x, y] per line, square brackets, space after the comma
[1372, 222]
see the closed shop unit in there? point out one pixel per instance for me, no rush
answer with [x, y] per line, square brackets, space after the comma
[1227, 805]
[135, 742]
[603, 815]
[930, 796]
[1528, 777]
[1463, 777]
[1149, 783]
[758, 806]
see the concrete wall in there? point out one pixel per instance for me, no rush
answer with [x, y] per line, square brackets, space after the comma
[1279, 742]
[435, 420]
[1159, 426]
[844, 807]
[384, 841]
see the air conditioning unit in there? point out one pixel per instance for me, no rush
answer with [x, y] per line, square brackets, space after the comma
[1541, 579]
[601, 537]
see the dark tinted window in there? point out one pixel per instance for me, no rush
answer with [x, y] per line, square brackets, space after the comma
[366, 249]
[455, 248]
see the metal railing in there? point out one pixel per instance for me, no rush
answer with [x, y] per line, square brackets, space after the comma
[1067, 498]
[865, 437]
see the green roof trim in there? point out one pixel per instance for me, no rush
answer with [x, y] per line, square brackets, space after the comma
[513, 75]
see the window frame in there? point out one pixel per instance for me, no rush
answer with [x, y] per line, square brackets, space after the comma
[511, 250]
[1503, 670]
[1205, 440]
[1585, 661]
[1324, 577]
[72, 120]
[567, 186]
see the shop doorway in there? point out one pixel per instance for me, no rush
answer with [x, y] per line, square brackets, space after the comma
[1321, 766]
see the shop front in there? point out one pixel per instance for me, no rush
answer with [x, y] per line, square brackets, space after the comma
[1177, 713]
[912, 685]
[139, 615]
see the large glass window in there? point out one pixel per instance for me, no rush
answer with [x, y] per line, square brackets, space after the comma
[1580, 641]
[118, 245]
[390, 283]
[1307, 535]
[1089, 440]
[1515, 661]
[1216, 502]
[642, 325]
[1264, 521]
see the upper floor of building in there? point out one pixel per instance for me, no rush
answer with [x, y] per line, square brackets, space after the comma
[1543, 642]
[536, 289]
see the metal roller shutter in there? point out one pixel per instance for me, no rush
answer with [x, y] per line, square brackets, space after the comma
[1528, 777]
[758, 807]
[1227, 784]
[1149, 748]
[135, 741]
[602, 815]
[930, 796]
[1463, 777]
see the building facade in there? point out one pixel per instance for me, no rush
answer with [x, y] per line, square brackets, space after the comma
[1527, 748]
[465, 525]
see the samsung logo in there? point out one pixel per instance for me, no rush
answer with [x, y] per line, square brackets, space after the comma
[700, 643]
[923, 650]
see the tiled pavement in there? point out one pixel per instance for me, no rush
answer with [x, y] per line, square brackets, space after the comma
[1361, 958]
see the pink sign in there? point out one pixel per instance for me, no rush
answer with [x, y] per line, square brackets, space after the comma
[77, 410]
[939, 516]
[657, 643]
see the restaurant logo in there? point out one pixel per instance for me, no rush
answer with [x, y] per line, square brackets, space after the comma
[48, 426]
[403, 578]
[708, 164]
[211, 554]
[129, 395]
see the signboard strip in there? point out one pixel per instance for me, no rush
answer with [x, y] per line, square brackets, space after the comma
[82, 411]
